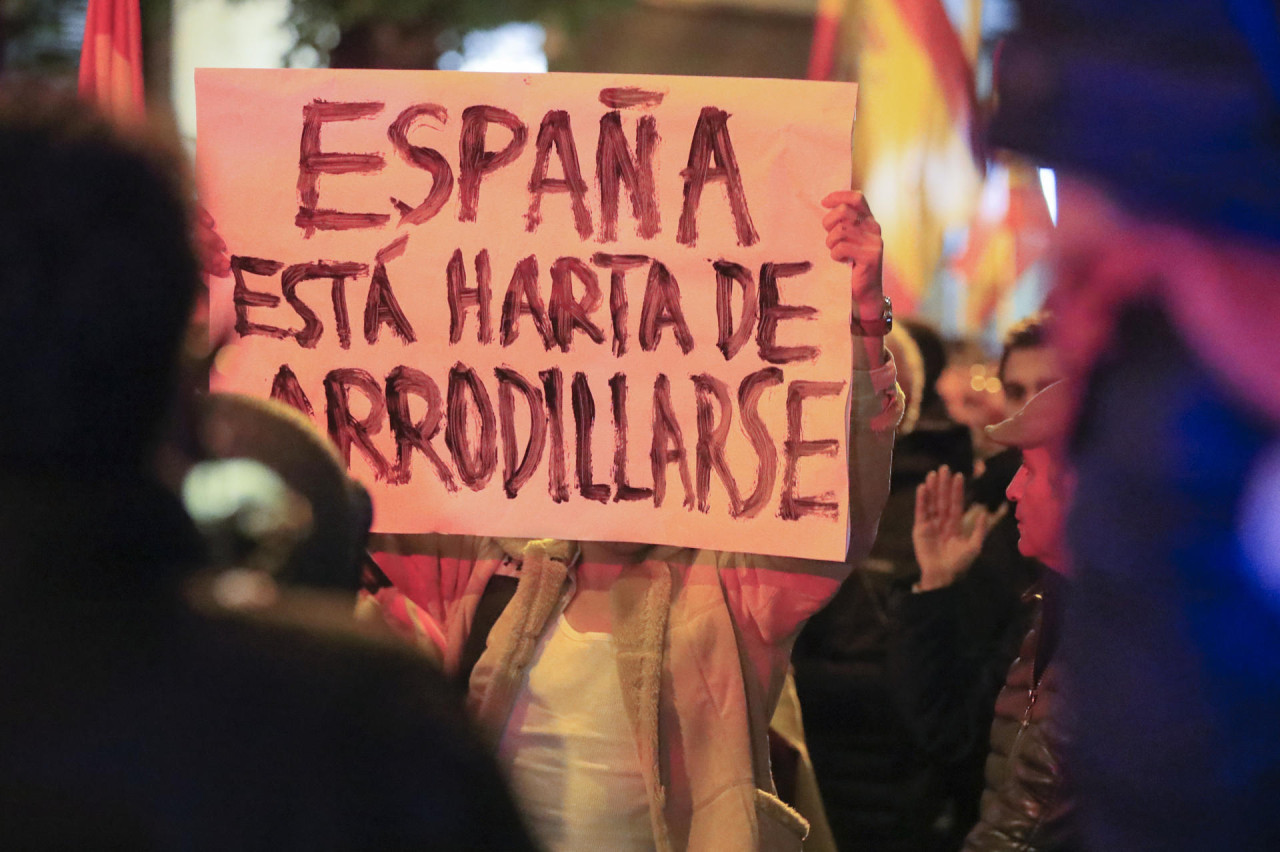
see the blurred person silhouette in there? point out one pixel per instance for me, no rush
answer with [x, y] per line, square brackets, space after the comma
[285, 525]
[131, 718]
[1025, 805]
[273, 491]
[881, 792]
[933, 361]
[1161, 121]
[934, 430]
[971, 392]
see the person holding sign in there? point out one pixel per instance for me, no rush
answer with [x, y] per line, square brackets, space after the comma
[628, 686]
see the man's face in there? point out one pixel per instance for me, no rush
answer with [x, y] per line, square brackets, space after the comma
[1026, 373]
[1041, 491]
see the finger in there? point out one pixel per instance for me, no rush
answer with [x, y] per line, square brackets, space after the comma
[922, 508]
[217, 266]
[978, 532]
[984, 522]
[930, 495]
[941, 492]
[857, 222]
[852, 197]
[939, 503]
[955, 500]
[845, 232]
[840, 214]
[846, 253]
[211, 241]
[957, 491]
[859, 248]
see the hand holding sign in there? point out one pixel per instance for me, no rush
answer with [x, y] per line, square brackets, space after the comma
[210, 248]
[853, 235]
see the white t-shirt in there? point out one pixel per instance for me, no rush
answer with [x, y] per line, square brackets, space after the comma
[570, 751]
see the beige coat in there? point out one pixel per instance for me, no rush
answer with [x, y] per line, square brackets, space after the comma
[704, 639]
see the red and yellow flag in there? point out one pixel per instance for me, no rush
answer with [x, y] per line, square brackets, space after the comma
[826, 37]
[111, 58]
[1009, 233]
[912, 151]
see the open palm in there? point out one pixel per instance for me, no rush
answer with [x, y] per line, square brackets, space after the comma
[947, 537]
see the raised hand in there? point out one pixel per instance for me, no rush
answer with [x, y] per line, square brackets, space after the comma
[947, 537]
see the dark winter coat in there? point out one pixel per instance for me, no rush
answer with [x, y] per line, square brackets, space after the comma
[880, 791]
[950, 651]
[1025, 806]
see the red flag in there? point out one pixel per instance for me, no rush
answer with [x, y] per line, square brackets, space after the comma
[111, 58]
[1010, 232]
[912, 151]
[826, 35]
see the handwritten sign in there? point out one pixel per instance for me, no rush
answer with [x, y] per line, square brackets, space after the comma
[573, 306]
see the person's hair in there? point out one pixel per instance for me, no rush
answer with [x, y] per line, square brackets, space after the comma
[933, 354]
[1030, 333]
[906, 355]
[97, 278]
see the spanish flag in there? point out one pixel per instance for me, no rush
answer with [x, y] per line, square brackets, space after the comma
[913, 151]
[1010, 232]
[111, 58]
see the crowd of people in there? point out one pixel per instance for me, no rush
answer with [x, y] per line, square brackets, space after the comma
[1058, 631]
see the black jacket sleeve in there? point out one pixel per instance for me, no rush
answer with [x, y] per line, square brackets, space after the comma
[949, 650]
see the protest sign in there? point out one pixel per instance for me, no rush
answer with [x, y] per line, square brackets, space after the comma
[573, 306]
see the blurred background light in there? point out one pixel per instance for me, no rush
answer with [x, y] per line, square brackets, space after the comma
[1049, 183]
[226, 34]
[515, 47]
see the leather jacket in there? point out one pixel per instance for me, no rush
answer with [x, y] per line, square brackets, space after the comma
[1025, 805]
